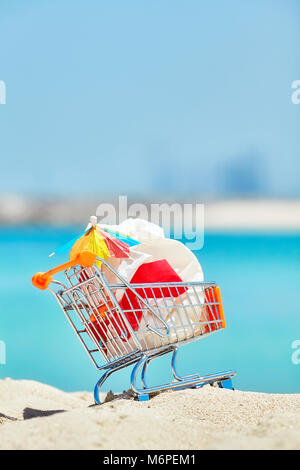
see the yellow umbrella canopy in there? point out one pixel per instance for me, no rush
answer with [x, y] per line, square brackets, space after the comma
[100, 242]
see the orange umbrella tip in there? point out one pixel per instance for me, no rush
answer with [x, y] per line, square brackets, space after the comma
[41, 280]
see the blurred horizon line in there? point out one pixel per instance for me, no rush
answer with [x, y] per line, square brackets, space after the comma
[271, 214]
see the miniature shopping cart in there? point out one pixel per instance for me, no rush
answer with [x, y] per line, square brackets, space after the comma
[121, 324]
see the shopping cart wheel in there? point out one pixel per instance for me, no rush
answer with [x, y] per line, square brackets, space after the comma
[143, 397]
[226, 384]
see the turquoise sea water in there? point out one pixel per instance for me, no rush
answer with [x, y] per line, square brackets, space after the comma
[259, 277]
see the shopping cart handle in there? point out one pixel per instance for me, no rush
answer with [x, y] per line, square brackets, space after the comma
[42, 280]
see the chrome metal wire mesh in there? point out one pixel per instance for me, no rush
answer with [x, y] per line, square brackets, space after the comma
[121, 321]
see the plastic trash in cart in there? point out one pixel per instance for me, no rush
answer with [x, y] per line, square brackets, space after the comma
[123, 323]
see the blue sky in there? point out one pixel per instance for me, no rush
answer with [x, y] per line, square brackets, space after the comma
[149, 97]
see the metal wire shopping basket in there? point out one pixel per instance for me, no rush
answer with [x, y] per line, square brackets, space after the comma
[121, 324]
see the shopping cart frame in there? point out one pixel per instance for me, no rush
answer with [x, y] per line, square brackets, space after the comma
[73, 301]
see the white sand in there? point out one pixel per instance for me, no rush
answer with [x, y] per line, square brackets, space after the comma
[208, 418]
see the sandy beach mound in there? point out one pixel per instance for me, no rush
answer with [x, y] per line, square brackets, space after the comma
[37, 416]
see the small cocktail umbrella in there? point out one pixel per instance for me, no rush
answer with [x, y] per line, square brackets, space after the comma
[102, 242]
[94, 242]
